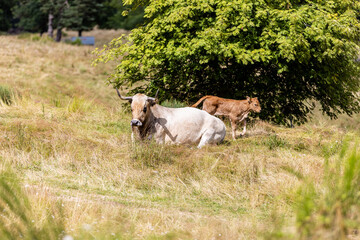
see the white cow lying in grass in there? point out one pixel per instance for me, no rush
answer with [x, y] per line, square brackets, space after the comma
[173, 125]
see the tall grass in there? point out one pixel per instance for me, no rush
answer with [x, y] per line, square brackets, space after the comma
[78, 105]
[151, 154]
[6, 94]
[332, 211]
[68, 140]
[18, 219]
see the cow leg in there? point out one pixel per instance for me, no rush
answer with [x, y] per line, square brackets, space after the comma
[233, 127]
[208, 107]
[211, 110]
[206, 138]
[244, 127]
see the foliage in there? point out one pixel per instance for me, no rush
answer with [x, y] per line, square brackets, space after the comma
[173, 103]
[77, 42]
[6, 17]
[288, 53]
[333, 212]
[113, 17]
[58, 8]
[31, 19]
[274, 141]
[82, 15]
[78, 15]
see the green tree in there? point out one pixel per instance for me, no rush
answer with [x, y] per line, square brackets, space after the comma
[288, 53]
[112, 17]
[31, 18]
[82, 15]
[55, 10]
[6, 16]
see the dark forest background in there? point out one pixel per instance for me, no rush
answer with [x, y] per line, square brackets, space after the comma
[45, 16]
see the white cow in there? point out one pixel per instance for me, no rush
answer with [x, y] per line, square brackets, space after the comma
[173, 125]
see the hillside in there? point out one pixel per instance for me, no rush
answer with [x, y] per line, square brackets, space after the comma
[66, 138]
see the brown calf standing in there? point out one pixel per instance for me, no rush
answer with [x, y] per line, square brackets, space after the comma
[237, 110]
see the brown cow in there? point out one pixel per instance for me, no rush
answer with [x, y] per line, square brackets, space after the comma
[237, 110]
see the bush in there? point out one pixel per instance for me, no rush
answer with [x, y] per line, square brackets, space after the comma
[274, 141]
[77, 42]
[24, 36]
[173, 103]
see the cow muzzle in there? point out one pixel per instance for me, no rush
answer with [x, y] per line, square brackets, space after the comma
[135, 122]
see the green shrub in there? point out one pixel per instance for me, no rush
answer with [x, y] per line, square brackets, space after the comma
[173, 103]
[24, 35]
[274, 141]
[77, 42]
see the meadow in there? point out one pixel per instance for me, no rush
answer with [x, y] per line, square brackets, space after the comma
[69, 169]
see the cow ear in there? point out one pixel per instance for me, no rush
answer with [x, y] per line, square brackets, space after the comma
[152, 102]
[248, 98]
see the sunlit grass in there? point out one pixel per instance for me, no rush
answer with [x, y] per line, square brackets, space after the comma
[67, 140]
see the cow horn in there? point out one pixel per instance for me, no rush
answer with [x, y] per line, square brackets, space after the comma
[155, 98]
[123, 98]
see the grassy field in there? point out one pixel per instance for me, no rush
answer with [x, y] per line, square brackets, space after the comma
[65, 152]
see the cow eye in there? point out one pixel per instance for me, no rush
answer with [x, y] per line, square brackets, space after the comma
[144, 109]
[255, 104]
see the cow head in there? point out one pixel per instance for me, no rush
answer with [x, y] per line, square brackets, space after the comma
[254, 104]
[140, 107]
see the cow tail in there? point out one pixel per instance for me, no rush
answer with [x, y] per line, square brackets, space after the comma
[200, 100]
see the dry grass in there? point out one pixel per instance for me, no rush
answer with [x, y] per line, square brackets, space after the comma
[68, 139]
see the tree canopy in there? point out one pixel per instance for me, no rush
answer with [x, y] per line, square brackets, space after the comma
[290, 53]
[78, 15]
[31, 18]
[6, 16]
[82, 15]
[112, 16]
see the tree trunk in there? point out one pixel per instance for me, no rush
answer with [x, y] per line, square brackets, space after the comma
[58, 35]
[50, 27]
[80, 33]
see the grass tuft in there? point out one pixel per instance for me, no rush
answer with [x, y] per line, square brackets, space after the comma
[6, 95]
[274, 141]
[19, 220]
[78, 105]
[151, 154]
